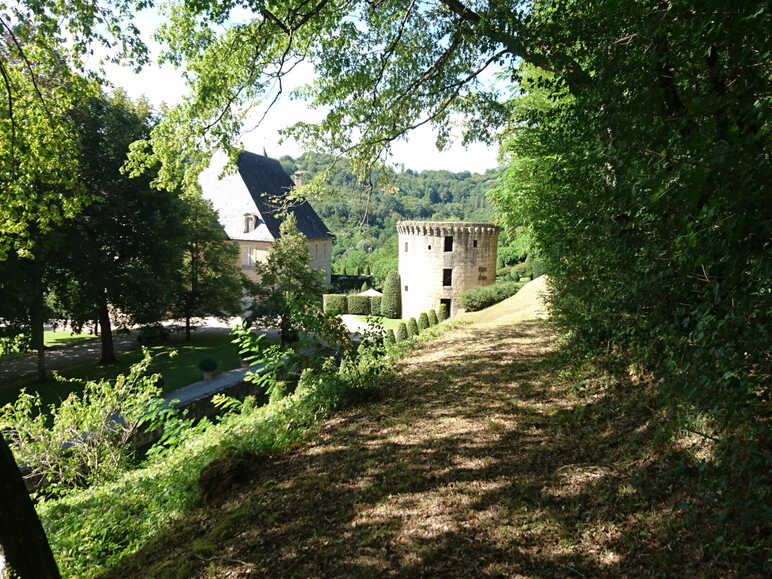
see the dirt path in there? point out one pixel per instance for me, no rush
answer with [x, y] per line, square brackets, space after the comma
[477, 462]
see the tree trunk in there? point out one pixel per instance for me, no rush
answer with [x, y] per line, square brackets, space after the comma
[187, 328]
[37, 318]
[108, 350]
[22, 537]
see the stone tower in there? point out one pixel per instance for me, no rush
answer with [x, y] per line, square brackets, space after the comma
[440, 259]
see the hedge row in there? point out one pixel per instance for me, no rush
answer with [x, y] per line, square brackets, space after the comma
[479, 298]
[336, 304]
[358, 305]
[413, 328]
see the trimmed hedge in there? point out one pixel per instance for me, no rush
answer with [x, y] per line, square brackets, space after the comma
[375, 305]
[482, 297]
[412, 327]
[389, 338]
[335, 304]
[423, 322]
[433, 321]
[359, 305]
[401, 332]
[391, 302]
[443, 314]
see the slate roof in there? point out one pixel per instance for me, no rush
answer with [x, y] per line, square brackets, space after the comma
[267, 182]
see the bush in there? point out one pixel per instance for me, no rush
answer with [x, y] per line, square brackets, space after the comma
[375, 305]
[401, 332]
[443, 314]
[364, 287]
[86, 439]
[482, 297]
[391, 303]
[412, 327]
[334, 304]
[208, 365]
[359, 305]
[389, 338]
[12, 343]
[433, 321]
[423, 322]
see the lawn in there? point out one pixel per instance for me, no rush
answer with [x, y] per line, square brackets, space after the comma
[65, 338]
[177, 371]
[54, 340]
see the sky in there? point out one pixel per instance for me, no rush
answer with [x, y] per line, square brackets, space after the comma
[164, 84]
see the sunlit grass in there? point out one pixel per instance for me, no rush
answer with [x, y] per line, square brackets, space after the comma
[177, 370]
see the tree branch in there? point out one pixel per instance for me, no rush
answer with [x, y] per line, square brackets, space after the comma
[9, 92]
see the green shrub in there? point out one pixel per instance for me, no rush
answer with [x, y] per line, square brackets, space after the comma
[81, 442]
[401, 332]
[433, 321]
[423, 322]
[525, 279]
[359, 305]
[412, 327]
[391, 303]
[334, 304]
[12, 342]
[375, 305]
[482, 297]
[207, 365]
[443, 314]
[364, 287]
[389, 337]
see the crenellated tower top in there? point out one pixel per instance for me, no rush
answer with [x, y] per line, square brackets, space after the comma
[442, 228]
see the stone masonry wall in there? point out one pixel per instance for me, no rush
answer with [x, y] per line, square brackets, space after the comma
[319, 250]
[423, 259]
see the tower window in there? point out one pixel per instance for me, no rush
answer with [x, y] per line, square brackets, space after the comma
[405, 288]
[447, 277]
[449, 243]
[430, 247]
[406, 247]
[474, 243]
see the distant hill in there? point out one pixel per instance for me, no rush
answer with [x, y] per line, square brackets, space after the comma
[364, 219]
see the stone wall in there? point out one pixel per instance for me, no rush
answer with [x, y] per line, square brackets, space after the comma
[433, 253]
[320, 252]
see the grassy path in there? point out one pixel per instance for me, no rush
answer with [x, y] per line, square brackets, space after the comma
[478, 461]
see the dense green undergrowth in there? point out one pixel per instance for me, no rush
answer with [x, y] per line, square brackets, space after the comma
[91, 530]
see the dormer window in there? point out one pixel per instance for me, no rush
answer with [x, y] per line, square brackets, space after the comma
[250, 222]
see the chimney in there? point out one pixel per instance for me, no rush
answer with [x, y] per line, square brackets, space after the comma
[298, 175]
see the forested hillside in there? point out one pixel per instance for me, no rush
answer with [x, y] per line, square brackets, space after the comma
[363, 216]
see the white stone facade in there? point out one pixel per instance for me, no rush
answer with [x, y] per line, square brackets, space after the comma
[440, 259]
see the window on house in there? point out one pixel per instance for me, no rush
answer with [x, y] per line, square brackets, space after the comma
[430, 247]
[447, 277]
[405, 288]
[250, 256]
[406, 247]
[247, 223]
[447, 303]
[449, 243]
[474, 243]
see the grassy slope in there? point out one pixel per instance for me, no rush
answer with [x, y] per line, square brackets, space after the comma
[483, 458]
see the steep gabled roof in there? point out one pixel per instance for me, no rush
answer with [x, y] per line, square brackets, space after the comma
[269, 184]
